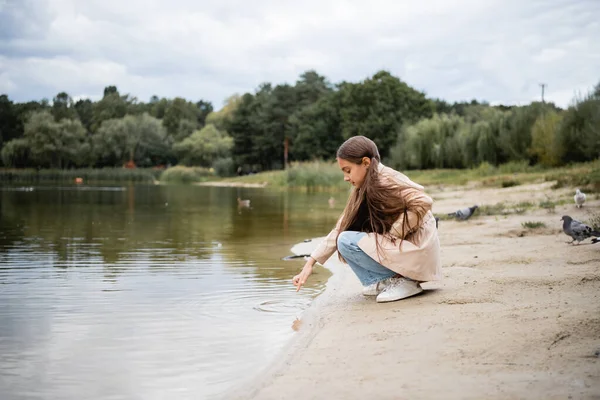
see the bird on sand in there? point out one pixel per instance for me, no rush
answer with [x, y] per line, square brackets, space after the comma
[578, 231]
[464, 213]
[579, 198]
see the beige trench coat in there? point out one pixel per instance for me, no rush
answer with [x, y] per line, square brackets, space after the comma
[419, 257]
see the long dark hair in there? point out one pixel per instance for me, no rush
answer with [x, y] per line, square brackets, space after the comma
[378, 202]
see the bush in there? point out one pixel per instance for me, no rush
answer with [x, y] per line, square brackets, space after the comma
[495, 209]
[584, 176]
[180, 174]
[510, 183]
[224, 167]
[594, 221]
[533, 224]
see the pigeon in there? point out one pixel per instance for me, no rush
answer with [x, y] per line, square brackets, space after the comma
[579, 198]
[578, 230]
[464, 213]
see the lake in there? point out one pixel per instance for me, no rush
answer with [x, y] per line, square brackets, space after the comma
[149, 291]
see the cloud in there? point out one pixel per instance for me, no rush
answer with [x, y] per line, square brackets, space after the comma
[497, 51]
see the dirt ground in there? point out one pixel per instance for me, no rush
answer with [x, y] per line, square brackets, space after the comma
[516, 316]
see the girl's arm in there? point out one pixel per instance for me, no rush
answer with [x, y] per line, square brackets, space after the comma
[321, 254]
[418, 204]
[328, 246]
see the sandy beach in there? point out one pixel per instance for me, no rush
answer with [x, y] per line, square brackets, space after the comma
[517, 315]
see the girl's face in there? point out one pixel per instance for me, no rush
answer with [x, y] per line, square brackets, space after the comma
[354, 173]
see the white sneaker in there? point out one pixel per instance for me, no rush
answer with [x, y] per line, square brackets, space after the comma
[398, 289]
[375, 288]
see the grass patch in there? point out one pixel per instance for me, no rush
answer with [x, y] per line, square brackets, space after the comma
[533, 224]
[495, 209]
[183, 175]
[585, 176]
[525, 204]
[309, 176]
[509, 183]
[88, 175]
[594, 221]
[316, 176]
[548, 205]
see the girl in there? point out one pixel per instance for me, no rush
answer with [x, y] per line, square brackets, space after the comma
[387, 233]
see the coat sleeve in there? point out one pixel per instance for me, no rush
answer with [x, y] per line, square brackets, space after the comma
[418, 204]
[328, 246]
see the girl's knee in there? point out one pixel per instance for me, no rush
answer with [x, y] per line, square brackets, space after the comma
[346, 240]
[342, 240]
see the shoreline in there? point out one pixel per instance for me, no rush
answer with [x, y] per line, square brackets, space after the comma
[310, 323]
[516, 315]
[232, 184]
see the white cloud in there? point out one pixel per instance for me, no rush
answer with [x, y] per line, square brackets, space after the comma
[495, 50]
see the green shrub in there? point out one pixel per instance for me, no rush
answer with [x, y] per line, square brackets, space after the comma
[510, 183]
[594, 221]
[496, 209]
[180, 174]
[533, 224]
[224, 167]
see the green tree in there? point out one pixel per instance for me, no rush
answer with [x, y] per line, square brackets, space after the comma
[185, 129]
[158, 107]
[579, 133]
[544, 141]
[379, 106]
[515, 135]
[62, 107]
[315, 129]
[111, 106]
[178, 110]
[243, 128]
[277, 106]
[311, 87]
[222, 118]
[430, 143]
[9, 120]
[204, 108]
[138, 138]
[85, 111]
[204, 147]
[55, 144]
[15, 153]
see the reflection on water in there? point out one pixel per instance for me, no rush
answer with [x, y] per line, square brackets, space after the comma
[148, 292]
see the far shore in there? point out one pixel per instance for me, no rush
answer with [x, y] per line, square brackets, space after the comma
[232, 184]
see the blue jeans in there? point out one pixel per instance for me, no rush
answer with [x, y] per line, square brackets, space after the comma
[366, 269]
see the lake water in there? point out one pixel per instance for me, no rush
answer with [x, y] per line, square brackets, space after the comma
[148, 292]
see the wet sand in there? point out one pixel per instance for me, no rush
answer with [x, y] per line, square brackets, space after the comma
[517, 315]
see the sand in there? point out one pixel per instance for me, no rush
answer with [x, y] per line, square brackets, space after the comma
[516, 316]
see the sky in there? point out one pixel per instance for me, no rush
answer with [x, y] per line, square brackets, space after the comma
[492, 50]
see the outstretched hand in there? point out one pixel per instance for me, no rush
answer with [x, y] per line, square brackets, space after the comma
[301, 278]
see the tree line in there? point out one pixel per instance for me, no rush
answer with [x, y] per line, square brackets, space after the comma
[278, 124]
